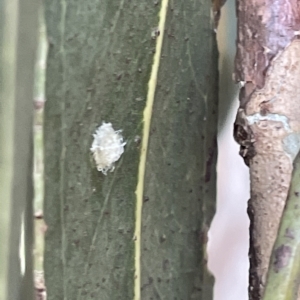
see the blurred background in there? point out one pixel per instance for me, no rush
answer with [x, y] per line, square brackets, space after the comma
[228, 235]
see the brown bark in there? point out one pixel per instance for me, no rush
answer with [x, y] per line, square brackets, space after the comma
[267, 125]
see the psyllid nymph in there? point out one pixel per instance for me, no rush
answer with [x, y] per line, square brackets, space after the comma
[107, 147]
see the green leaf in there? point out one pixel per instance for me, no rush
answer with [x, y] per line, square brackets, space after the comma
[150, 69]
[18, 31]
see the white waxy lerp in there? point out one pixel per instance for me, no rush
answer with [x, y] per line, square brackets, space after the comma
[107, 147]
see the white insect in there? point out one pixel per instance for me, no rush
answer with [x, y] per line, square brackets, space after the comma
[107, 147]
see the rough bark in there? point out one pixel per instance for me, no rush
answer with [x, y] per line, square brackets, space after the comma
[18, 30]
[141, 231]
[267, 125]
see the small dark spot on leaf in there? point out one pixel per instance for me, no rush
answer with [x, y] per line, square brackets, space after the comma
[119, 76]
[289, 233]
[203, 237]
[166, 264]
[153, 130]
[137, 140]
[146, 199]
[296, 194]
[162, 238]
[155, 33]
[209, 161]
[282, 257]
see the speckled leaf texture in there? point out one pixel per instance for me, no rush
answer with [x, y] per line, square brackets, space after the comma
[140, 232]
